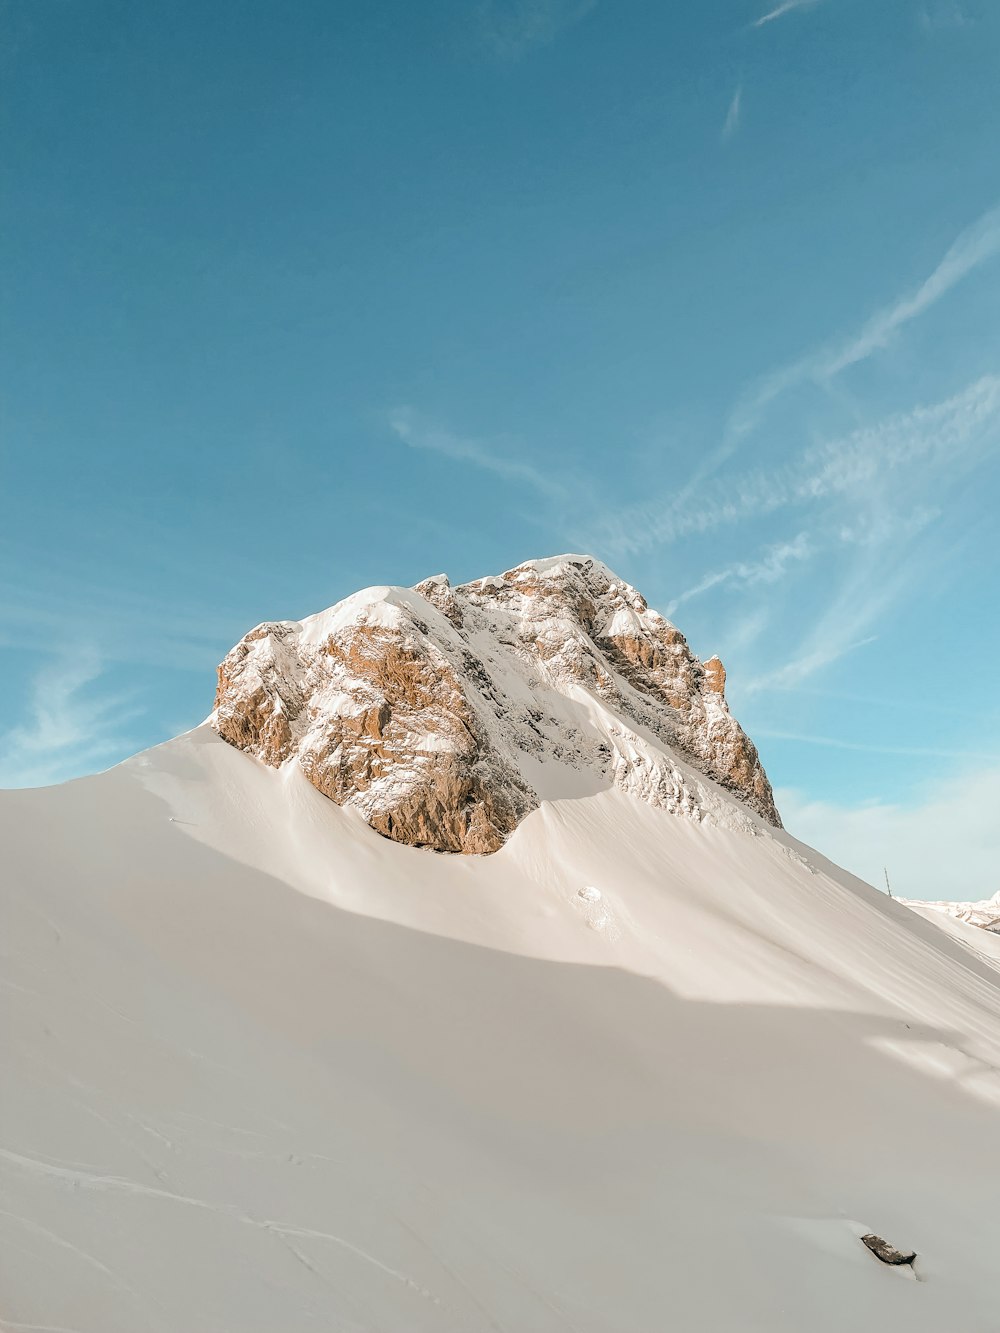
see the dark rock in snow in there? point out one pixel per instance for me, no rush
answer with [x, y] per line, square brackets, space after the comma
[886, 1252]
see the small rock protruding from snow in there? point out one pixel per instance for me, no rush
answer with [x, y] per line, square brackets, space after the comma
[886, 1252]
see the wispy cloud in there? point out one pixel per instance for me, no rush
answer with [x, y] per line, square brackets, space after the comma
[887, 700]
[70, 728]
[866, 588]
[861, 504]
[732, 121]
[868, 747]
[488, 455]
[934, 18]
[876, 529]
[953, 434]
[973, 247]
[509, 29]
[781, 10]
[831, 647]
[769, 568]
[907, 838]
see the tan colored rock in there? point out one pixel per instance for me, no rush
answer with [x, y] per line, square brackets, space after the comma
[715, 676]
[424, 709]
[387, 719]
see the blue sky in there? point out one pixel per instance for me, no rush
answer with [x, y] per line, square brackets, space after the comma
[300, 298]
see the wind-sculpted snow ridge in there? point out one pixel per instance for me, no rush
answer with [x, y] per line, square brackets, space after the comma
[445, 714]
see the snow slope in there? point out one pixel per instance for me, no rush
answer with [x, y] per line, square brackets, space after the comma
[984, 914]
[265, 1071]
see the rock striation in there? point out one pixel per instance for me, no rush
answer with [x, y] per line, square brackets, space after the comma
[445, 714]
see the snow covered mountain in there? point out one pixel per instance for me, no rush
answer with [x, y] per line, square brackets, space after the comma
[649, 1063]
[985, 914]
[441, 713]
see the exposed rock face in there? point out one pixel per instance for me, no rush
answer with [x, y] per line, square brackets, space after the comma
[715, 676]
[440, 712]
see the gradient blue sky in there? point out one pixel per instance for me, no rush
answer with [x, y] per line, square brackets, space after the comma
[303, 297]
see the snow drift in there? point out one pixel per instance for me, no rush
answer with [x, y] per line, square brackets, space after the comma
[645, 1066]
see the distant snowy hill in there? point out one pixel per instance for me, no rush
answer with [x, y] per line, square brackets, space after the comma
[985, 914]
[647, 1064]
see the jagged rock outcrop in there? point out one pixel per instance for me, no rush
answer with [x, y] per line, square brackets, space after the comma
[443, 713]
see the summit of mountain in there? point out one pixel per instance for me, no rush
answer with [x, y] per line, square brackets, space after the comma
[445, 714]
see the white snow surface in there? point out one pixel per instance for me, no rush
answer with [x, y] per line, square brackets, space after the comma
[566, 564]
[387, 606]
[267, 1072]
[984, 914]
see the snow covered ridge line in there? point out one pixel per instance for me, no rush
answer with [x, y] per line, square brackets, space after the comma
[445, 714]
[985, 914]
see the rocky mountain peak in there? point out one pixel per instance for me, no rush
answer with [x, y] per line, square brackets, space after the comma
[445, 714]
